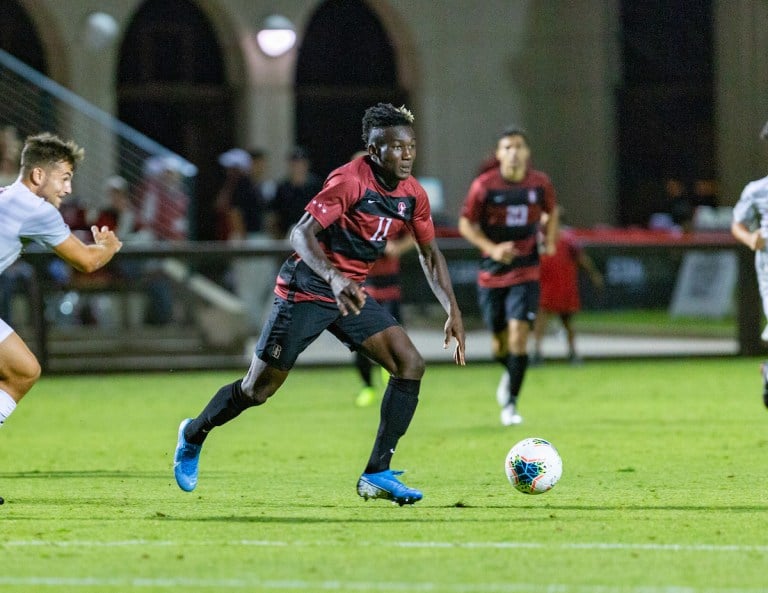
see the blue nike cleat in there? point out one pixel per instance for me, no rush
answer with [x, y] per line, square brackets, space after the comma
[386, 485]
[185, 460]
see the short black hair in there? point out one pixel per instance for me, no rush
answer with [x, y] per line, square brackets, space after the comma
[514, 131]
[385, 115]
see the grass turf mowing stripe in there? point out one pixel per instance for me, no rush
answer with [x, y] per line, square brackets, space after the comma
[306, 585]
[427, 544]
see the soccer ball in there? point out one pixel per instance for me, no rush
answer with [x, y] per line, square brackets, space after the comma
[533, 466]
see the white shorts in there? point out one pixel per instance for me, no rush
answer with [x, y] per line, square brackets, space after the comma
[5, 330]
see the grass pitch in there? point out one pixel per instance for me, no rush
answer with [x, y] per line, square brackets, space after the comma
[663, 490]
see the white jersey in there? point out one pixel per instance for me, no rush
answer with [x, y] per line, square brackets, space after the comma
[752, 207]
[27, 217]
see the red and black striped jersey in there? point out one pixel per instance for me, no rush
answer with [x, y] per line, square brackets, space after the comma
[508, 211]
[358, 216]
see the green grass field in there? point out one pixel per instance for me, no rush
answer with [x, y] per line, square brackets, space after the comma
[663, 491]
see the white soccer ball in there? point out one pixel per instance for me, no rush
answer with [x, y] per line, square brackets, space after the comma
[533, 466]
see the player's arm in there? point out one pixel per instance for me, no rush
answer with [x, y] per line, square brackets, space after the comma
[350, 296]
[752, 239]
[502, 252]
[436, 272]
[551, 225]
[397, 247]
[89, 258]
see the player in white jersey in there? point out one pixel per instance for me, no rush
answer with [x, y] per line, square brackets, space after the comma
[750, 226]
[29, 211]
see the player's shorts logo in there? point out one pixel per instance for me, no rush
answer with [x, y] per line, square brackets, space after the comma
[277, 350]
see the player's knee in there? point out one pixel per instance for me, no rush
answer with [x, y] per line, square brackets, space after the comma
[25, 375]
[258, 389]
[256, 396]
[411, 366]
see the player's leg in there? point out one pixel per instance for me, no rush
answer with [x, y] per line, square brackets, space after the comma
[539, 329]
[290, 328]
[393, 349]
[570, 336]
[761, 269]
[367, 394]
[491, 303]
[380, 338]
[19, 370]
[520, 306]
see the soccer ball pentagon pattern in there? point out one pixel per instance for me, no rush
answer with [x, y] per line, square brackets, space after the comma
[533, 466]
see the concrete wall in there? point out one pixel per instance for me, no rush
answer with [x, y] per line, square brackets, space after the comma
[741, 91]
[551, 66]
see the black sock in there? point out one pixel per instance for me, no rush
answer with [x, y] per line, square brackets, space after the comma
[516, 365]
[364, 366]
[397, 408]
[227, 404]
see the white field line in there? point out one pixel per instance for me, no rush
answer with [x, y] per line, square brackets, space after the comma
[650, 547]
[303, 585]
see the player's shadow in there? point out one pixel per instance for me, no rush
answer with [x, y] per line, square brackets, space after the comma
[84, 473]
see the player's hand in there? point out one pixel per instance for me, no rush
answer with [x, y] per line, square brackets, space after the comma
[103, 236]
[757, 241]
[454, 328]
[350, 296]
[503, 252]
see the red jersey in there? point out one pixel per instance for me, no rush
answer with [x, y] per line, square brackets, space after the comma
[560, 277]
[358, 216]
[508, 211]
[383, 282]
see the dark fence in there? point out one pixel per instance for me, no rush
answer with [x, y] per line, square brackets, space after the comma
[640, 271]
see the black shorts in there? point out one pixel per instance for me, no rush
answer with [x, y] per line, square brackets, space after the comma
[293, 326]
[499, 305]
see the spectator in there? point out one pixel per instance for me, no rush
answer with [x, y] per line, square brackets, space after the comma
[118, 214]
[162, 211]
[679, 202]
[162, 203]
[10, 151]
[559, 282]
[293, 193]
[241, 204]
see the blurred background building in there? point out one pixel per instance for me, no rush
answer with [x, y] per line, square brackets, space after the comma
[617, 95]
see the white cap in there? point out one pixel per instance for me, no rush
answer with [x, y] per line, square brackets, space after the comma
[236, 158]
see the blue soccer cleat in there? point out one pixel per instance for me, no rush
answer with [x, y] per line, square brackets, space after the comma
[386, 485]
[185, 460]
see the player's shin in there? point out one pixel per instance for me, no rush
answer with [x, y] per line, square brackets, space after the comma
[227, 404]
[397, 408]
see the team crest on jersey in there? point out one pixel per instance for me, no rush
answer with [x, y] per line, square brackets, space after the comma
[277, 350]
[401, 208]
[531, 196]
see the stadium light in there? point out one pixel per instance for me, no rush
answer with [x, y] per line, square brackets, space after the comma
[276, 36]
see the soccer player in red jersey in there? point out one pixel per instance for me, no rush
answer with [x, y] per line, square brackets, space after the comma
[501, 216]
[344, 229]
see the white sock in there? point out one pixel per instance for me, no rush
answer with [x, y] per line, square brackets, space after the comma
[7, 405]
